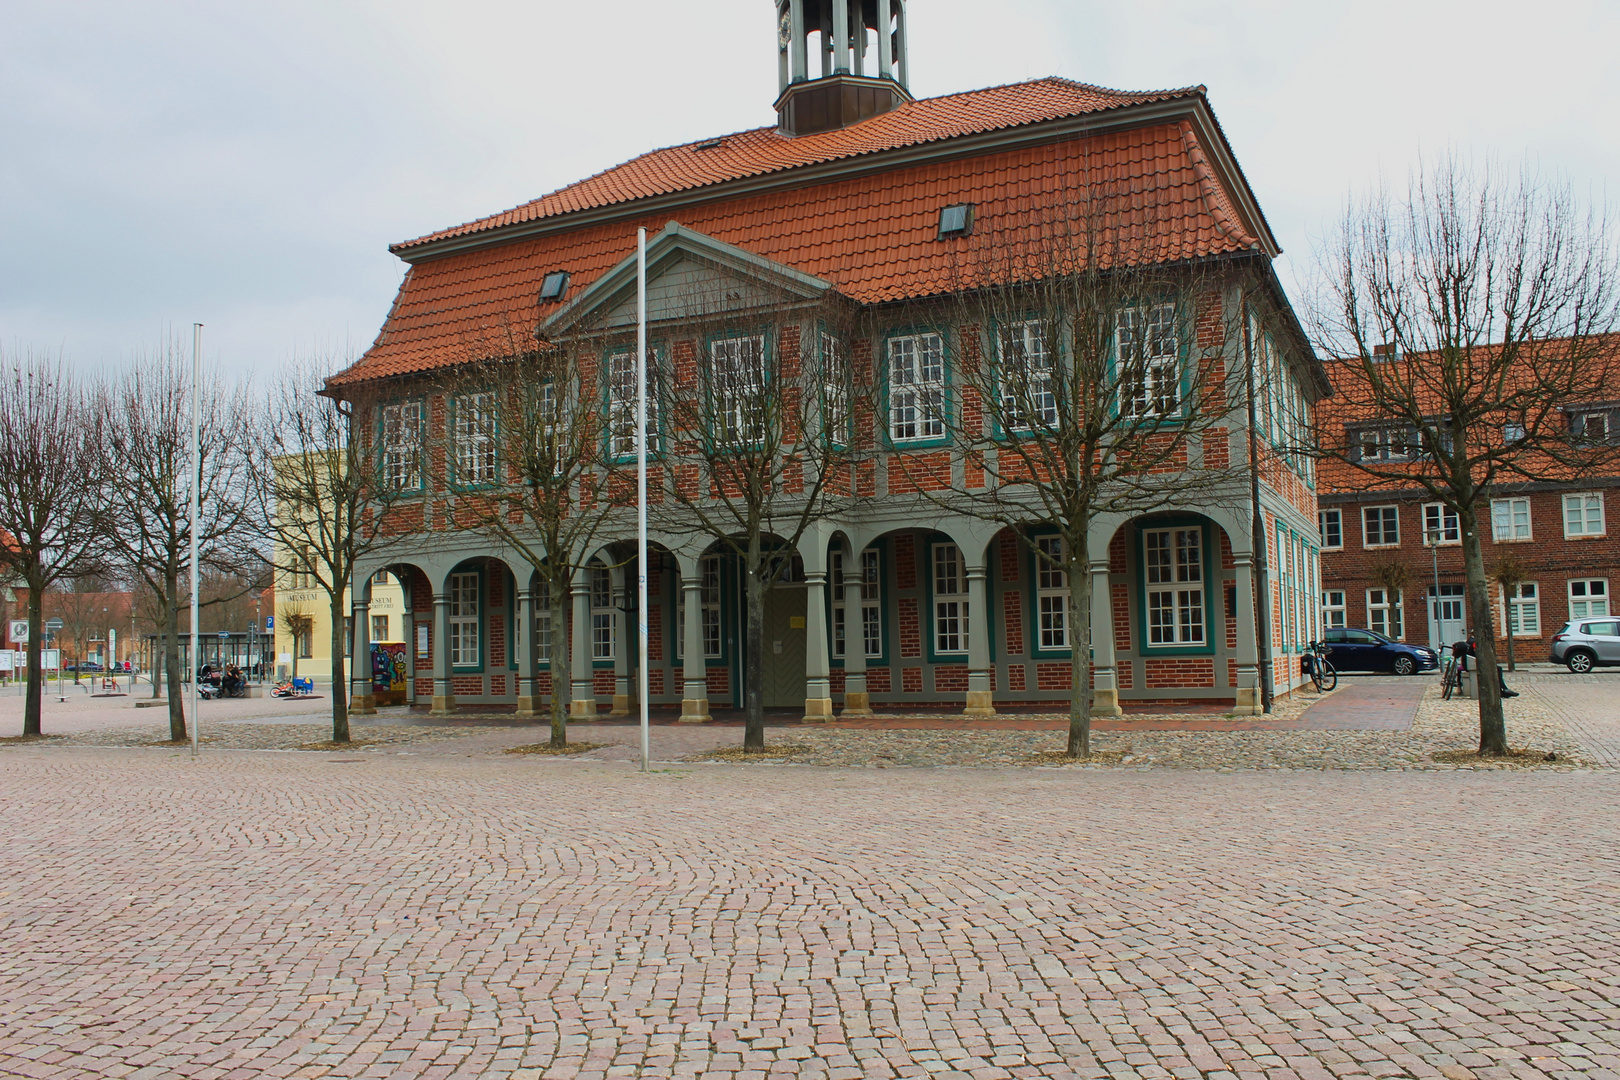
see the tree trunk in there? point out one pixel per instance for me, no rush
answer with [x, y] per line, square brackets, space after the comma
[36, 631]
[340, 688]
[559, 663]
[1492, 729]
[171, 659]
[1512, 665]
[754, 655]
[1080, 690]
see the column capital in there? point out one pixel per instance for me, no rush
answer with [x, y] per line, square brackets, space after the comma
[815, 577]
[1098, 566]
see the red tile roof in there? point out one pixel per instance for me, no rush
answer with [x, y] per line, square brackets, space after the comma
[763, 150]
[873, 235]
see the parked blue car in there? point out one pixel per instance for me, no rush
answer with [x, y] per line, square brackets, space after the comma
[1365, 650]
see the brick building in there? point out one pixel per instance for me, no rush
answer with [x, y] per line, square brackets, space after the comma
[862, 191]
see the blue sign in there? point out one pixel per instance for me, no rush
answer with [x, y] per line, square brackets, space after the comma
[269, 622]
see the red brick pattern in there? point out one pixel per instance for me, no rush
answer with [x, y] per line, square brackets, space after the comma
[602, 682]
[467, 685]
[1170, 672]
[1120, 599]
[950, 678]
[1012, 619]
[497, 641]
[920, 472]
[1009, 556]
[877, 680]
[1125, 675]
[493, 579]
[497, 686]
[655, 628]
[1231, 671]
[718, 680]
[911, 680]
[1053, 676]
[910, 628]
[655, 680]
[1015, 676]
[905, 561]
[544, 682]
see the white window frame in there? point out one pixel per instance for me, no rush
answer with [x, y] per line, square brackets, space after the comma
[1148, 349]
[402, 445]
[1051, 593]
[1504, 512]
[735, 381]
[1521, 611]
[950, 622]
[1385, 443]
[1590, 509]
[542, 621]
[1442, 518]
[379, 628]
[474, 418]
[1380, 509]
[1334, 610]
[871, 606]
[835, 389]
[1591, 599]
[1027, 397]
[917, 387]
[1173, 580]
[604, 643]
[1322, 519]
[463, 620]
[1387, 614]
[1582, 425]
[621, 394]
[709, 608]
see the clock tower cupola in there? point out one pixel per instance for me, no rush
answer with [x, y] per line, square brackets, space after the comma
[839, 62]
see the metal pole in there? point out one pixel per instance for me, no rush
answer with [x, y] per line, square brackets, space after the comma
[1434, 604]
[641, 491]
[1257, 526]
[196, 503]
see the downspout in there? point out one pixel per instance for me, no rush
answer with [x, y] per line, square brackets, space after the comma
[1257, 528]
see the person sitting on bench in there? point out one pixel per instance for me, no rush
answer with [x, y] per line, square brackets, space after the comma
[1471, 648]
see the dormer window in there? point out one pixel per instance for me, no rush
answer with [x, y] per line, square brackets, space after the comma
[956, 220]
[555, 284]
[1590, 428]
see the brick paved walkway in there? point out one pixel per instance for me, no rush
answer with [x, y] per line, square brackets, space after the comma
[458, 914]
[1368, 703]
[1588, 705]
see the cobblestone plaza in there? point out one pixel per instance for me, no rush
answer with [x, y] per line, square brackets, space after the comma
[443, 909]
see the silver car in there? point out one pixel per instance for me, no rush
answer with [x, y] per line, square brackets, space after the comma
[1587, 643]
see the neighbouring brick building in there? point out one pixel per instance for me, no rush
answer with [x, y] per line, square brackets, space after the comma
[1564, 536]
[861, 190]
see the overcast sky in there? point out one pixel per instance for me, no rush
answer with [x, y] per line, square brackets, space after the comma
[245, 165]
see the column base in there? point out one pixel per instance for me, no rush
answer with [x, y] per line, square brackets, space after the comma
[362, 705]
[980, 703]
[1248, 702]
[695, 711]
[528, 707]
[582, 709]
[621, 705]
[818, 710]
[443, 705]
[857, 704]
[1105, 702]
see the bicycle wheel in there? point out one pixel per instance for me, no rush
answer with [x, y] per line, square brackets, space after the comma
[1329, 678]
[1450, 683]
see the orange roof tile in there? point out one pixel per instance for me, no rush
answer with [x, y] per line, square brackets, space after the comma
[873, 235]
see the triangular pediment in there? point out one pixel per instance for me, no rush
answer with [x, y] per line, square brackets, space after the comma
[689, 275]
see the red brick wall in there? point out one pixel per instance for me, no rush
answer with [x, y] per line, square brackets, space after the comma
[920, 472]
[655, 680]
[655, 628]
[910, 630]
[1015, 676]
[1120, 598]
[1009, 556]
[1169, 672]
[877, 680]
[602, 682]
[497, 685]
[1012, 618]
[905, 561]
[497, 640]
[718, 680]
[911, 680]
[950, 678]
[467, 685]
[1053, 676]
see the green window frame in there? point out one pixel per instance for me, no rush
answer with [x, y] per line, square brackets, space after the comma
[466, 589]
[917, 403]
[1150, 594]
[400, 428]
[619, 404]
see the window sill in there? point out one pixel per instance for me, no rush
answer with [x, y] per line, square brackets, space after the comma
[1588, 536]
[1380, 547]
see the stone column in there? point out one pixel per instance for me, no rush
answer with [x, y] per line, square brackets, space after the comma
[818, 706]
[1104, 667]
[857, 702]
[444, 699]
[582, 695]
[981, 679]
[409, 617]
[621, 648]
[1247, 692]
[528, 673]
[800, 60]
[362, 699]
[695, 688]
[857, 27]
[885, 43]
[840, 17]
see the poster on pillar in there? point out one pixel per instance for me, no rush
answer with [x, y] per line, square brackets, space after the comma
[388, 672]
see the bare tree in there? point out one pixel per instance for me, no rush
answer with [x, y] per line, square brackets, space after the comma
[760, 443]
[297, 622]
[328, 489]
[1470, 313]
[525, 436]
[147, 418]
[1088, 383]
[51, 474]
[1507, 574]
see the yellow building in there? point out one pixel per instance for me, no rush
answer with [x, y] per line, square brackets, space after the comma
[304, 622]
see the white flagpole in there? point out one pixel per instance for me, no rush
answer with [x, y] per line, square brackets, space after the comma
[641, 491]
[196, 505]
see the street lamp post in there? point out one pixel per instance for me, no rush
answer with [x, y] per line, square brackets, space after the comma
[1433, 536]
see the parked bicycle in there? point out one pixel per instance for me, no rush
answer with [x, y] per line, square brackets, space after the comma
[1451, 675]
[1317, 666]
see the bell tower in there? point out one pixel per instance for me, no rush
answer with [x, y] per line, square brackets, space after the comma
[859, 48]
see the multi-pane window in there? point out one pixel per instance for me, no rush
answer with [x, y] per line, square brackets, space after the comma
[1333, 609]
[1027, 397]
[1583, 515]
[1380, 526]
[1523, 609]
[602, 612]
[950, 600]
[1331, 525]
[871, 606]
[621, 390]
[735, 378]
[1588, 597]
[463, 620]
[1052, 592]
[710, 569]
[379, 628]
[1384, 614]
[1386, 444]
[1440, 525]
[542, 620]
[1592, 427]
[1174, 567]
[916, 387]
[1510, 519]
[401, 445]
[835, 389]
[475, 438]
[1149, 372]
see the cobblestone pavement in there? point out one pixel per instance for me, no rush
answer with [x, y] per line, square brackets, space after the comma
[1587, 705]
[440, 912]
